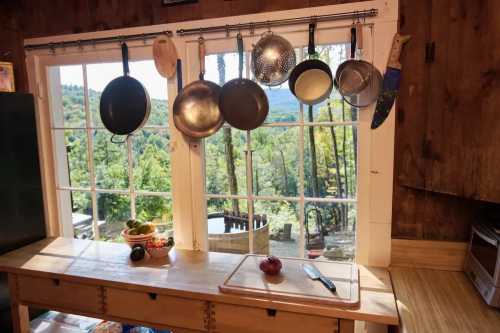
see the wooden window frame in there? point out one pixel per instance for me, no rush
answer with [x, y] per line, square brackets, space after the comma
[375, 175]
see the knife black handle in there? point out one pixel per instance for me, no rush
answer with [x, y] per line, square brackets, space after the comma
[328, 283]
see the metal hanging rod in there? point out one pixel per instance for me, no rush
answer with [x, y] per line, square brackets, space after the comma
[275, 23]
[94, 41]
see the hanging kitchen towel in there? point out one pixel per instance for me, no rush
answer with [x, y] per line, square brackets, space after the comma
[390, 86]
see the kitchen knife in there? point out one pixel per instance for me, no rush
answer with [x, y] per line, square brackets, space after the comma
[315, 274]
[390, 86]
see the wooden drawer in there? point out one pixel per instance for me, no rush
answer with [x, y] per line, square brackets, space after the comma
[59, 293]
[156, 309]
[242, 319]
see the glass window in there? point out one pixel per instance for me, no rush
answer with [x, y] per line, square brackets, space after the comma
[101, 184]
[289, 185]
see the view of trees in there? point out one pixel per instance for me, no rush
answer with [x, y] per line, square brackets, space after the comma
[150, 157]
[329, 156]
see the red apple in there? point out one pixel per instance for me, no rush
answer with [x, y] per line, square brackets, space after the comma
[270, 265]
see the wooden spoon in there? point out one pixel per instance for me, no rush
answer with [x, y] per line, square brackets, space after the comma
[165, 56]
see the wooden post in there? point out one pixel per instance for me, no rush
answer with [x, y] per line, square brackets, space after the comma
[287, 231]
[19, 312]
[346, 326]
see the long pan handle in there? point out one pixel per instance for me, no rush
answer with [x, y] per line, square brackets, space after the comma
[179, 76]
[125, 59]
[239, 41]
[201, 54]
[311, 49]
[353, 42]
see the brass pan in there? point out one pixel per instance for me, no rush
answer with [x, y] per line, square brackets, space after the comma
[196, 108]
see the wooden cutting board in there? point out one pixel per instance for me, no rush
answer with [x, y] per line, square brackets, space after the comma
[293, 284]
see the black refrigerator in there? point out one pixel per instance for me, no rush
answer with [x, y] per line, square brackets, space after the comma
[21, 201]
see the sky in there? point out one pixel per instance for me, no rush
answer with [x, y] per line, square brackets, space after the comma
[99, 75]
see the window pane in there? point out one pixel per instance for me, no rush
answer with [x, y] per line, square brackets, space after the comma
[279, 230]
[151, 161]
[155, 209]
[330, 230]
[156, 86]
[225, 166]
[228, 225]
[77, 157]
[113, 211]
[98, 77]
[275, 161]
[110, 161]
[223, 67]
[330, 161]
[72, 97]
[81, 203]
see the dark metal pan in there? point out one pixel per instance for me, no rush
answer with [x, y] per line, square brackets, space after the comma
[124, 105]
[311, 81]
[243, 103]
[196, 109]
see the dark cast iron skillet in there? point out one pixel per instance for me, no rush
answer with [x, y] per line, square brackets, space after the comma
[243, 102]
[124, 105]
[311, 81]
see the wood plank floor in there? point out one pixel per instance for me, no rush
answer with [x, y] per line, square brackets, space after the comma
[440, 301]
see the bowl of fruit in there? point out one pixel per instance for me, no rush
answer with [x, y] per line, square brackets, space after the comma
[158, 247]
[137, 232]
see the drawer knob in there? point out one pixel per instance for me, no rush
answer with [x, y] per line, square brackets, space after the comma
[56, 282]
[271, 312]
[153, 296]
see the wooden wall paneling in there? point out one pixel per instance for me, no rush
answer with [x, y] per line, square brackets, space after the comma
[419, 214]
[114, 14]
[455, 126]
[266, 5]
[411, 116]
[11, 48]
[447, 256]
[489, 151]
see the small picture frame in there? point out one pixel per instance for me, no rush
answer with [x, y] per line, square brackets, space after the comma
[7, 77]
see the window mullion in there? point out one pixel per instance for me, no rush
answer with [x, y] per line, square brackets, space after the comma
[301, 175]
[250, 191]
[131, 177]
[90, 154]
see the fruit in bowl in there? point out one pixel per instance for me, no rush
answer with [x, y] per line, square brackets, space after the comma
[137, 232]
[270, 265]
[159, 247]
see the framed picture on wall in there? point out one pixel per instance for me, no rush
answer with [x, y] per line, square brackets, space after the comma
[7, 77]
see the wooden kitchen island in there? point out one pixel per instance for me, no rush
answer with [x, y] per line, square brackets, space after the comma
[180, 292]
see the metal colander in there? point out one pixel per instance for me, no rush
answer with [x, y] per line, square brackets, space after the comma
[273, 59]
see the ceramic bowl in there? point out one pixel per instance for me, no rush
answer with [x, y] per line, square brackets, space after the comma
[136, 239]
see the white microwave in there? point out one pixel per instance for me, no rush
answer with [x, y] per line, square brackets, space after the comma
[482, 263]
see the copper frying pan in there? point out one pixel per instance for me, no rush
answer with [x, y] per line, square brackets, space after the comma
[196, 109]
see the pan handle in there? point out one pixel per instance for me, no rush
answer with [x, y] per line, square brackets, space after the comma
[201, 54]
[179, 76]
[239, 40]
[311, 49]
[125, 59]
[353, 42]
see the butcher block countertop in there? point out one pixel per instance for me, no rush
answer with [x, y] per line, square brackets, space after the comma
[188, 274]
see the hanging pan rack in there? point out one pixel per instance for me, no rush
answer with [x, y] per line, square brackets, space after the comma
[94, 41]
[276, 23]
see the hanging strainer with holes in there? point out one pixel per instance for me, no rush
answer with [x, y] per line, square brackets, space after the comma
[273, 59]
